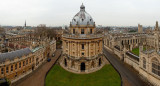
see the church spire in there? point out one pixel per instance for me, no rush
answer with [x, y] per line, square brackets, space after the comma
[25, 24]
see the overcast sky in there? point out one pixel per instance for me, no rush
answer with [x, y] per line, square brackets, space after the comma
[61, 12]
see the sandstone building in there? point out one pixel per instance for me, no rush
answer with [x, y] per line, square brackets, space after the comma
[82, 46]
[24, 55]
[147, 63]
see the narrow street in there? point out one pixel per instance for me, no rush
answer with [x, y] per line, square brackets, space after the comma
[129, 76]
[37, 77]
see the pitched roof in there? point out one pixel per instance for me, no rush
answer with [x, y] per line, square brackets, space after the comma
[14, 54]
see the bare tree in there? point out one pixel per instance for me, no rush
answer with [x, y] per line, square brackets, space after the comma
[44, 31]
[2, 31]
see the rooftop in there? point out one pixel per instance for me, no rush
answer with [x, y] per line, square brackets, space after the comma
[14, 54]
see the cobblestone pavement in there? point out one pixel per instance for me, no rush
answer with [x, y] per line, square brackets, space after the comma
[37, 78]
[129, 76]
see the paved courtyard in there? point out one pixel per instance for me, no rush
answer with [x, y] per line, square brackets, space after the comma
[37, 78]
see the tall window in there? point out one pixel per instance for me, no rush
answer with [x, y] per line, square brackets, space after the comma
[20, 65]
[82, 31]
[12, 68]
[2, 70]
[30, 60]
[90, 31]
[15, 66]
[73, 31]
[82, 46]
[6, 69]
[23, 63]
[144, 63]
[136, 40]
[26, 61]
[156, 67]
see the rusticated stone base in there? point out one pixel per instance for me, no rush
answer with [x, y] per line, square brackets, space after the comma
[82, 65]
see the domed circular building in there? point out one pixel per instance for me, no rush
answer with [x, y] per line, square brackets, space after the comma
[82, 46]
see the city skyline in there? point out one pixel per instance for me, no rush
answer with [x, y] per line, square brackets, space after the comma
[60, 12]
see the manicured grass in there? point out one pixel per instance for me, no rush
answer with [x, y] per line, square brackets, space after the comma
[136, 51]
[107, 76]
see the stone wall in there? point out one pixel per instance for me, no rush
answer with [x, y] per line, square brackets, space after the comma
[132, 62]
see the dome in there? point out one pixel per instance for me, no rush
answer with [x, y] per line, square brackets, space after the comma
[82, 18]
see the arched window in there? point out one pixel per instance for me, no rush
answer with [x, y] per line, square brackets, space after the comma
[144, 63]
[156, 67]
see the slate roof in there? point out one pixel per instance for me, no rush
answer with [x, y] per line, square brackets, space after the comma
[14, 54]
[133, 56]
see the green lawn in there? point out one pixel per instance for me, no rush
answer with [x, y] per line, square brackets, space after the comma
[107, 76]
[136, 51]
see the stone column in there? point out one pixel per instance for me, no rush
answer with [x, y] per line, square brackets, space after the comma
[89, 49]
[86, 49]
[78, 50]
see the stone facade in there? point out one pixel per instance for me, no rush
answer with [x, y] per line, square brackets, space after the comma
[82, 46]
[19, 62]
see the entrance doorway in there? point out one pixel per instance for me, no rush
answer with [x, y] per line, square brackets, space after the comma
[82, 67]
[32, 68]
[65, 62]
[100, 62]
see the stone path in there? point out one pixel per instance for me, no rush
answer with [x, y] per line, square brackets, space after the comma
[129, 76]
[37, 78]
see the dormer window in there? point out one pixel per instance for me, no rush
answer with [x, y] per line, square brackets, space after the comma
[82, 31]
[90, 19]
[90, 31]
[74, 19]
[73, 31]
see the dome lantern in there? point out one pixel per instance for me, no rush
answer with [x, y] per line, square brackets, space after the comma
[82, 18]
[82, 8]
